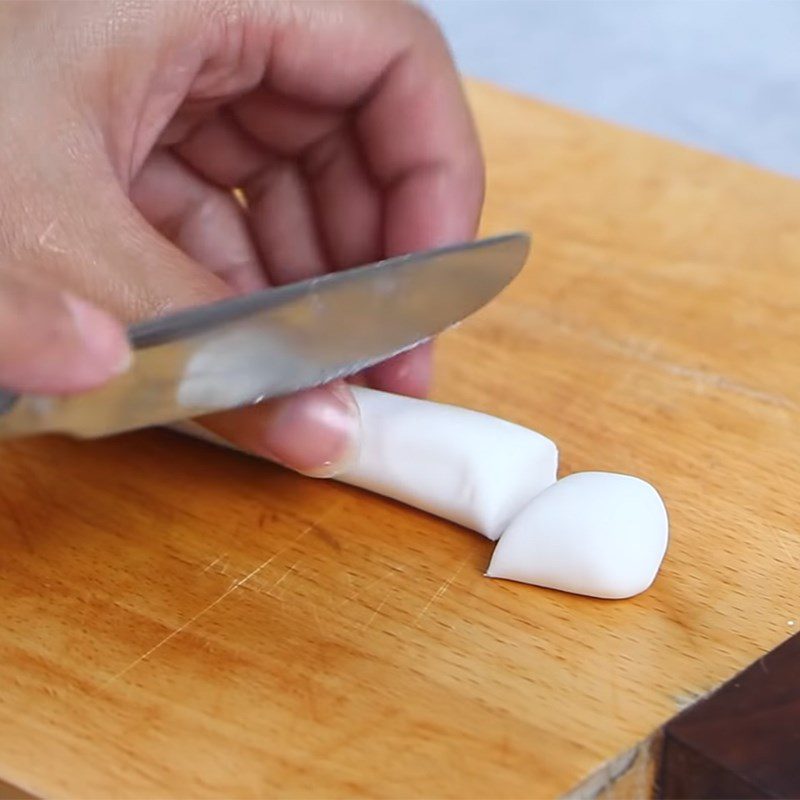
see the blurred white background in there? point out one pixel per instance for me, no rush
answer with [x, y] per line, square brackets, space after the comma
[723, 75]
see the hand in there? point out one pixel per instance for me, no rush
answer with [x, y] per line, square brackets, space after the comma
[126, 128]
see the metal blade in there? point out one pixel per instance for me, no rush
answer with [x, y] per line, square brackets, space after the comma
[272, 343]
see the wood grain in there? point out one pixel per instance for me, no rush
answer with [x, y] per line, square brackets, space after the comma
[743, 741]
[183, 621]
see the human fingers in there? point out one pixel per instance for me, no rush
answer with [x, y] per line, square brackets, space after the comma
[54, 342]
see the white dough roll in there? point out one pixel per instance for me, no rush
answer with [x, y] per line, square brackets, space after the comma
[468, 467]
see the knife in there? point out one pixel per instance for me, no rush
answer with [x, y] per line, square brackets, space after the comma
[240, 351]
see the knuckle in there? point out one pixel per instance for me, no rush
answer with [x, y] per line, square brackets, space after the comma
[423, 24]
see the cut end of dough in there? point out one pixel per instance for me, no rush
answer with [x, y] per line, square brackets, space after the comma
[599, 534]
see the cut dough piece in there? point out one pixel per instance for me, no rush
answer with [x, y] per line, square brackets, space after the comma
[593, 533]
[471, 468]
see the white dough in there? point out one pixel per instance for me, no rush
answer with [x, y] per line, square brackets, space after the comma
[593, 533]
[471, 468]
[468, 467]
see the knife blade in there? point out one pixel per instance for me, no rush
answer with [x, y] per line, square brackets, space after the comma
[243, 350]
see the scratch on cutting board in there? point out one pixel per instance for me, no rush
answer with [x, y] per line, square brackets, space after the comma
[216, 561]
[232, 588]
[359, 591]
[647, 354]
[377, 610]
[443, 587]
[785, 549]
[280, 581]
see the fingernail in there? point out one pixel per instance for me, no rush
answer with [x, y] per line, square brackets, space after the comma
[102, 336]
[316, 432]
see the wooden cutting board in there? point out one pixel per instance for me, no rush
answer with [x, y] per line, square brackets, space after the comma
[180, 621]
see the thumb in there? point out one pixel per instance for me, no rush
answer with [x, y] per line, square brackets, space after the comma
[122, 263]
[54, 342]
[79, 226]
